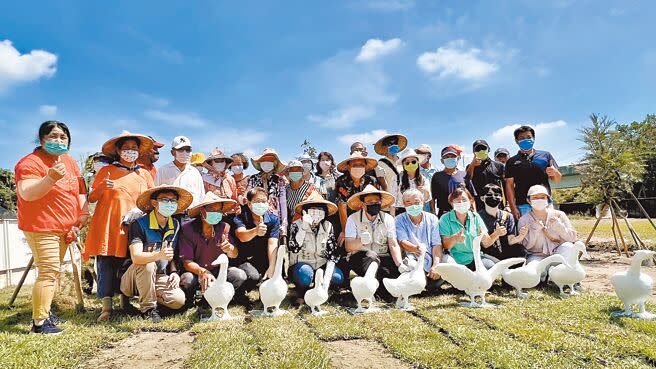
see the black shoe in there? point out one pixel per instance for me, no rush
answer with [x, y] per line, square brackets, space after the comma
[152, 315]
[48, 327]
[54, 319]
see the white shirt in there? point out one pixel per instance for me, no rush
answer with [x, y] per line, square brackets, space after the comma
[352, 231]
[189, 179]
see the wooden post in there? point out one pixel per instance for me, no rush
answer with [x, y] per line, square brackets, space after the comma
[634, 234]
[617, 245]
[594, 227]
[619, 231]
[644, 212]
[20, 283]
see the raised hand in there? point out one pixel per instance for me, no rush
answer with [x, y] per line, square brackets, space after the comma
[500, 230]
[108, 182]
[57, 171]
[166, 252]
[307, 221]
[523, 231]
[458, 237]
[551, 169]
[225, 244]
[261, 228]
[206, 280]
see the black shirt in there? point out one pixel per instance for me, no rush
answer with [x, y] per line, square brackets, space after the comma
[255, 251]
[529, 170]
[488, 172]
[346, 188]
[441, 186]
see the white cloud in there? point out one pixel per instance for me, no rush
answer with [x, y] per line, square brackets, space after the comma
[457, 61]
[189, 120]
[157, 101]
[506, 132]
[17, 68]
[48, 110]
[367, 138]
[375, 48]
[342, 118]
[387, 5]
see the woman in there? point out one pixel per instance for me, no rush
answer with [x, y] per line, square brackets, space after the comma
[269, 166]
[298, 188]
[237, 167]
[116, 189]
[411, 177]
[460, 226]
[388, 147]
[52, 207]
[325, 176]
[217, 179]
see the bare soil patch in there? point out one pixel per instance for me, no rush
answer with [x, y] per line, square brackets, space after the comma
[604, 264]
[361, 354]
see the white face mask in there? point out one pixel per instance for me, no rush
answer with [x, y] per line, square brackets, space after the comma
[357, 172]
[129, 155]
[98, 165]
[267, 166]
[307, 166]
[236, 169]
[325, 164]
[539, 204]
[220, 167]
[182, 157]
[317, 215]
[462, 207]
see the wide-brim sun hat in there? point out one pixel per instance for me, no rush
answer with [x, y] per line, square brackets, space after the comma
[370, 162]
[279, 165]
[410, 153]
[219, 154]
[316, 199]
[355, 202]
[381, 150]
[292, 164]
[197, 158]
[212, 198]
[145, 143]
[184, 198]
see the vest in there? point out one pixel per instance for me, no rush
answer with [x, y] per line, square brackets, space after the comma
[314, 247]
[378, 232]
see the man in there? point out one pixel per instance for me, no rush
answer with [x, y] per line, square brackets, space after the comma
[298, 189]
[371, 236]
[378, 172]
[446, 180]
[501, 155]
[426, 168]
[483, 171]
[179, 172]
[257, 230]
[151, 269]
[352, 181]
[202, 241]
[416, 230]
[389, 146]
[528, 168]
[148, 160]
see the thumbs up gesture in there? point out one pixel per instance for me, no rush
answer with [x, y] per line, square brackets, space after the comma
[57, 171]
[225, 244]
[261, 228]
[108, 182]
[166, 252]
[459, 237]
[500, 230]
[307, 221]
[551, 169]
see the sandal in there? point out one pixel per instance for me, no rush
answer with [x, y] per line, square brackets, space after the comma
[105, 315]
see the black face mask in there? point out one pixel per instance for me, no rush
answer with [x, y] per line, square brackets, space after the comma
[492, 202]
[373, 210]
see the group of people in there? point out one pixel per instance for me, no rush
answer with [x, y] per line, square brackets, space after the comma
[155, 232]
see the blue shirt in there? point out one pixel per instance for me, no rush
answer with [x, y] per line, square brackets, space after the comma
[428, 174]
[147, 231]
[529, 170]
[426, 232]
[256, 250]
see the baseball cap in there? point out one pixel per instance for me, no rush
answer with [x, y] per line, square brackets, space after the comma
[501, 150]
[478, 143]
[449, 150]
[181, 141]
[156, 143]
[424, 148]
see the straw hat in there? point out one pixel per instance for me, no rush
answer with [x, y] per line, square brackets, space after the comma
[279, 165]
[145, 143]
[219, 154]
[197, 158]
[410, 153]
[315, 198]
[381, 150]
[355, 203]
[184, 198]
[212, 198]
[292, 164]
[370, 162]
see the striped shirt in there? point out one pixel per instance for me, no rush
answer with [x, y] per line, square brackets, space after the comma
[295, 196]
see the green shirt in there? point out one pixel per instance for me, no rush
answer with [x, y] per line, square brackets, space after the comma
[450, 225]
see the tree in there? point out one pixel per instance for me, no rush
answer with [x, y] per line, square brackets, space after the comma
[642, 136]
[7, 190]
[309, 149]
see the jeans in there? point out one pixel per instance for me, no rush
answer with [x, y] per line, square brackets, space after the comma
[108, 279]
[302, 274]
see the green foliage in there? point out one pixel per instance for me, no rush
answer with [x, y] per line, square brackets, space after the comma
[642, 136]
[309, 149]
[7, 190]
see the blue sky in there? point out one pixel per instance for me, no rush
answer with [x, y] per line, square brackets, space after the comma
[252, 74]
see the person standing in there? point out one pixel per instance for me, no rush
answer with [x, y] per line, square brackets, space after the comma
[269, 167]
[298, 189]
[147, 160]
[483, 171]
[180, 172]
[426, 168]
[389, 146]
[378, 172]
[237, 167]
[446, 180]
[411, 177]
[501, 155]
[217, 179]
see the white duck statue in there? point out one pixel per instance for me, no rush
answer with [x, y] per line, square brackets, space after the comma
[364, 288]
[528, 276]
[475, 283]
[274, 290]
[634, 287]
[409, 283]
[220, 292]
[318, 295]
[571, 272]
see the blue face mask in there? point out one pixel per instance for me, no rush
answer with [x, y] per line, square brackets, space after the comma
[526, 144]
[55, 148]
[394, 149]
[295, 176]
[414, 210]
[450, 162]
[213, 217]
[167, 209]
[260, 208]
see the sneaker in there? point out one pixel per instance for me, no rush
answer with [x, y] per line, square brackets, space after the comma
[54, 319]
[48, 327]
[152, 315]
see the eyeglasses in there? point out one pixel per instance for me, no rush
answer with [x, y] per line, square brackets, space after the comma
[185, 149]
[410, 162]
[168, 200]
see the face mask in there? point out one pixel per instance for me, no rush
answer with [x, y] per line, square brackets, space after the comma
[295, 176]
[482, 155]
[462, 207]
[357, 172]
[414, 210]
[213, 217]
[411, 168]
[307, 166]
[219, 167]
[492, 201]
[98, 165]
[325, 164]
[317, 215]
[167, 209]
[260, 208]
[450, 162]
[539, 204]
[182, 157]
[373, 210]
[526, 144]
[55, 148]
[237, 169]
[267, 166]
[129, 155]
[394, 149]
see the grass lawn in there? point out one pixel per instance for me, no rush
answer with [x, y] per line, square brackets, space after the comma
[543, 331]
[643, 228]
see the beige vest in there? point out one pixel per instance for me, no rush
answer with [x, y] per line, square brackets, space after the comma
[378, 232]
[314, 246]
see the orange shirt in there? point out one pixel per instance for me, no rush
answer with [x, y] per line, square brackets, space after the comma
[59, 210]
[150, 168]
[107, 236]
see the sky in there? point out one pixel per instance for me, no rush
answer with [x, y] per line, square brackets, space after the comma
[247, 75]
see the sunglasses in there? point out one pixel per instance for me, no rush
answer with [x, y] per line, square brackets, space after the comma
[410, 162]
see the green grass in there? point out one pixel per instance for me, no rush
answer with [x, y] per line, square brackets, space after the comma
[643, 228]
[543, 331]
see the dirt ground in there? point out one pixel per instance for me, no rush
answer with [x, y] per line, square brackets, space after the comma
[146, 350]
[361, 354]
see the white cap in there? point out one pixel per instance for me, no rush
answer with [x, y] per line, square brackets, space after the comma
[537, 189]
[181, 141]
[425, 148]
